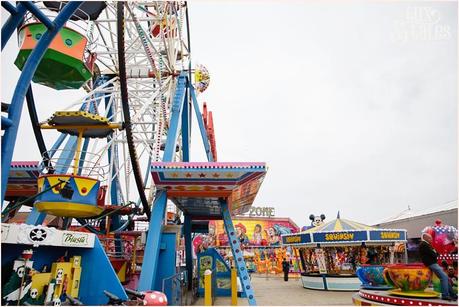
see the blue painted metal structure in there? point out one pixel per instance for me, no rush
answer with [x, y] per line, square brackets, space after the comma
[188, 249]
[92, 292]
[15, 109]
[15, 19]
[237, 254]
[167, 258]
[152, 247]
[180, 118]
[92, 285]
[222, 272]
[202, 129]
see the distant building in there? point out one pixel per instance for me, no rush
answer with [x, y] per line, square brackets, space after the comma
[415, 220]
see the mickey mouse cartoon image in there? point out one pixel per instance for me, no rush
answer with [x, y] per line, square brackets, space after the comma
[316, 220]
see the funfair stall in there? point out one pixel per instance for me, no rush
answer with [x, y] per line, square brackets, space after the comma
[331, 253]
[259, 233]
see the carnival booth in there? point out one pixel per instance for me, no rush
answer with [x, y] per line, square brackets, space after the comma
[260, 238]
[331, 253]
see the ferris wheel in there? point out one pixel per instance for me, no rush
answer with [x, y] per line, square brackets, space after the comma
[128, 57]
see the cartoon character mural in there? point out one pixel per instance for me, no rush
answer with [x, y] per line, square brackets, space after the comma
[241, 232]
[257, 237]
[273, 238]
[316, 220]
[254, 232]
[202, 242]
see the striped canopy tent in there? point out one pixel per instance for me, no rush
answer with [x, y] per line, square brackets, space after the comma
[339, 225]
[340, 232]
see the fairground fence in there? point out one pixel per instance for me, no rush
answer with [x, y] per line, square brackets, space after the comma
[175, 288]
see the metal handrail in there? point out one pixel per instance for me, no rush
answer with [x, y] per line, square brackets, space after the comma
[179, 284]
[30, 18]
[89, 167]
[127, 247]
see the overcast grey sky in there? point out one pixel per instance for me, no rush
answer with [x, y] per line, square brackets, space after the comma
[352, 105]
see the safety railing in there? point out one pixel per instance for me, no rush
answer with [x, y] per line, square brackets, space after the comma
[89, 164]
[175, 288]
[118, 247]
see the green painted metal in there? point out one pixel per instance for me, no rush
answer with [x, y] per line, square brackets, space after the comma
[38, 29]
[57, 70]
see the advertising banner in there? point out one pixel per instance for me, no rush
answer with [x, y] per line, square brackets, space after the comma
[388, 235]
[341, 236]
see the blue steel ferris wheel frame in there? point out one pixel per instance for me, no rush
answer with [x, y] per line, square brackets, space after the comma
[180, 123]
[11, 124]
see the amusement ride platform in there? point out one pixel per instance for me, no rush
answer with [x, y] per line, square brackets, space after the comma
[382, 298]
[198, 188]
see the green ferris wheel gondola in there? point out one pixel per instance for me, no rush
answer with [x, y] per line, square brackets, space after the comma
[63, 65]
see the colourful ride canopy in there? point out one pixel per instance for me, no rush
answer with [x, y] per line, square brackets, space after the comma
[22, 179]
[343, 232]
[71, 122]
[62, 65]
[196, 187]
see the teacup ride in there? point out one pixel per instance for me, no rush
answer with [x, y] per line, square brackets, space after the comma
[410, 280]
[372, 277]
[77, 193]
[69, 61]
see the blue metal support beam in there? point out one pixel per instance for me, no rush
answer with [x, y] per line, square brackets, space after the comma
[152, 246]
[186, 129]
[176, 118]
[6, 122]
[188, 250]
[13, 21]
[237, 254]
[205, 140]
[9, 7]
[14, 112]
[39, 14]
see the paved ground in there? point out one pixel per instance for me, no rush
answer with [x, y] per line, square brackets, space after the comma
[274, 291]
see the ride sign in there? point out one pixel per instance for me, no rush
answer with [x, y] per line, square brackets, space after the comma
[261, 211]
[390, 235]
[296, 238]
[75, 239]
[340, 236]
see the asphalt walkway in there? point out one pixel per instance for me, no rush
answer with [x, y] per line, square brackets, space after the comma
[274, 291]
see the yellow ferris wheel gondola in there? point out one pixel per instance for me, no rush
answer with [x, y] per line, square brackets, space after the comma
[74, 194]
